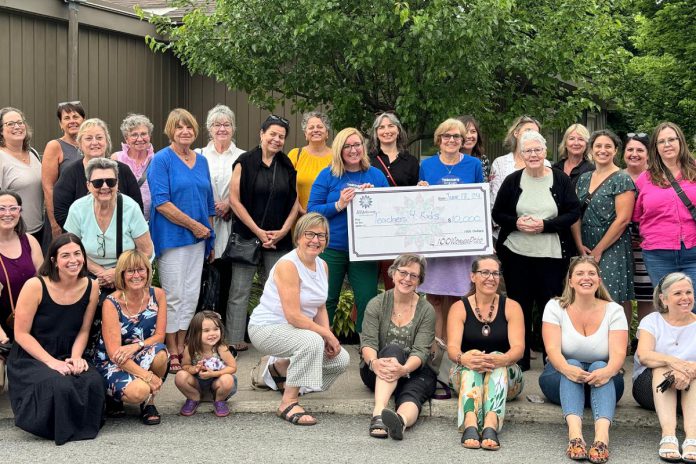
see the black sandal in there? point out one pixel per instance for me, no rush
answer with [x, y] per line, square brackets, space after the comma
[471, 433]
[149, 414]
[114, 409]
[294, 419]
[376, 424]
[277, 378]
[489, 433]
[395, 424]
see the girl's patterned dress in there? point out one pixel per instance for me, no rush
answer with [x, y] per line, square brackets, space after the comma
[133, 329]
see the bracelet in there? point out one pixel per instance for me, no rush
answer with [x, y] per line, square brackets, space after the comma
[369, 364]
[459, 359]
[338, 207]
[149, 379]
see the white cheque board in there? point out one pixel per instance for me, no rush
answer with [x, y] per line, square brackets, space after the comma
[435, 221]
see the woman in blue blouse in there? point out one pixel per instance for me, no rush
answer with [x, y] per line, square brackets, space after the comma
[331, 193]
[181, 225]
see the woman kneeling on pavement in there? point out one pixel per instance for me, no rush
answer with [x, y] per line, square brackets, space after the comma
[666, 346]
[291, 320]
[398, 330]
[485, 335]
[585, 335]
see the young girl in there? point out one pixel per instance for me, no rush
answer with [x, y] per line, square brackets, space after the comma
[208, 365]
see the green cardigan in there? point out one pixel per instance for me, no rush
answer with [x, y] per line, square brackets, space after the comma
[378, 317]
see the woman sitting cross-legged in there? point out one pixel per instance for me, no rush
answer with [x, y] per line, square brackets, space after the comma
[585, 335]
[666, 346]
[291, 321]
[485, 335]
[398, 330]
[131, 355]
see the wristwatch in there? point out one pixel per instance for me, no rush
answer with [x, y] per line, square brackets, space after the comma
[141, 344]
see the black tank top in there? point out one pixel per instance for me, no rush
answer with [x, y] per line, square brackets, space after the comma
[473, 339]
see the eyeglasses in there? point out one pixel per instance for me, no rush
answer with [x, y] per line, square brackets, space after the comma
[668, 141]
[101, 241]
[138, 135]
[642, 135]
[11, 124]
[536, 151]
[448, 137]
[309, 235]
[406, 274]
[10, 209]
[355, 146]
[223, 125]
[131, 272]
[485, 273]
[99, 183]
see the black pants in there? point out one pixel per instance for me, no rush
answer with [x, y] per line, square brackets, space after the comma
[417, 388]
[531, 281]
[224, 268]
[643, 391]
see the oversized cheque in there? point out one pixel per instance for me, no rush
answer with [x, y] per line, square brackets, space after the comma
[441, 220]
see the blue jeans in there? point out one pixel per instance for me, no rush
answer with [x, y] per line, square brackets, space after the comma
[659, 263]
[573, 397]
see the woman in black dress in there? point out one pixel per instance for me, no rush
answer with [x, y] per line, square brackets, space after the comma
[53, 391]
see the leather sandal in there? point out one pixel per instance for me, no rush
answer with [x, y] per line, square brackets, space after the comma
[376, 425]
[490, 434]
[577, 449]
[175, 363]
[395, 424]
[149, 414]
[295, 418]
[598, 452]
[471, 433]
[277, 378]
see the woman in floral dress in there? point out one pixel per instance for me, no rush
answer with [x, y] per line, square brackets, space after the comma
[131, 355]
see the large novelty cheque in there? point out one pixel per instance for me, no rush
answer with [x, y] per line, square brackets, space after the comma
[434, 221]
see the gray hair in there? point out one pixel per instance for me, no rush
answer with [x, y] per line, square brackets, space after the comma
[100, 163]
[532, 136]
[405, 260]
[135, 120]
[94, 122]
[315, 114]
[220, 112]
[664, 284]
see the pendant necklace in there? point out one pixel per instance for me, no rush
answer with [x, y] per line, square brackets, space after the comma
[486, 329]
[128, 311]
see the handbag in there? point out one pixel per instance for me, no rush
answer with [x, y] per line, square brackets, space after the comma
[248, 250]
[10, 319]
[210, 288]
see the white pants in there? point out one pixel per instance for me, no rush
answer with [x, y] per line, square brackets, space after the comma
[180, 275]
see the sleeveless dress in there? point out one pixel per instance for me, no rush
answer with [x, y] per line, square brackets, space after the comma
[59, 407]
[70, 153]
[19, 270]
[133, 329]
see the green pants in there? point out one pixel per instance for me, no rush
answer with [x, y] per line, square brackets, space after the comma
[362, 276]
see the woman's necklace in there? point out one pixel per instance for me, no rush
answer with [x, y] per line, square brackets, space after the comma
[185, 156]
[406, 310]
[20, 154]
[451, 166]
[140, 307]
[486, 329]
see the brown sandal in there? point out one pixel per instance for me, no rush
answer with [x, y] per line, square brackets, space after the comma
[598, 453]
[577, 449]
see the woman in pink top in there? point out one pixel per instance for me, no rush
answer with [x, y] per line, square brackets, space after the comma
[137, 152]
[667, 228]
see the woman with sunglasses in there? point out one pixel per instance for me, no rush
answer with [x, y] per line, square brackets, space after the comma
[263, 196]
[485, 338]
[666, 225]
[131, 355]
[398, 330]
[332, 192]
[94, 142]
[57, 154]
[94, 218]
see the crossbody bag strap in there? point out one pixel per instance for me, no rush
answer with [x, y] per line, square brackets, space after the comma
[9, 288]
[143, 177]
[119, 225]
[270, 195]
[589, 196]
[389, 176]
[681, 194]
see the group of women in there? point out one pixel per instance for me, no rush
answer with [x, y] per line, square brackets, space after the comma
[199, 200]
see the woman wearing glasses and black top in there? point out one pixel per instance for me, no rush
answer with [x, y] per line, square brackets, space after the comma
[666, 226]
[535, 209]
[263, 196]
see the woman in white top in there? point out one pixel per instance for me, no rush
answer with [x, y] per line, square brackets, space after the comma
[585, 335]
[666, 345]
[291, 321]
[221, 153]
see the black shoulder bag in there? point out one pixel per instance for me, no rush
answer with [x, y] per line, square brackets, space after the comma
[680, 193]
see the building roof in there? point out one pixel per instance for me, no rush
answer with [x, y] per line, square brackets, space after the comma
[157, 7]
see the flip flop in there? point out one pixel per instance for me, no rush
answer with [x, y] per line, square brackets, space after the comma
[471, 433]
[395, 424]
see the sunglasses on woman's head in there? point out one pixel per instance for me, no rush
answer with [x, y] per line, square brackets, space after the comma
[99, 183]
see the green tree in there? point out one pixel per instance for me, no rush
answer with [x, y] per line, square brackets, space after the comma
[660, 82]
[425, 59]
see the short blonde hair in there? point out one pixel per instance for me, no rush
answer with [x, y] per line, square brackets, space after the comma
[95, 122]
[308, 221]
[177, 116]
[447, 125]
[131, 259]
[337, 167]
[582, 132]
